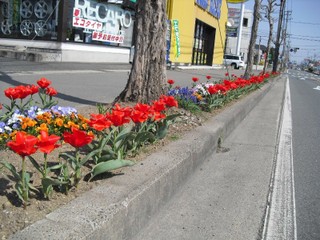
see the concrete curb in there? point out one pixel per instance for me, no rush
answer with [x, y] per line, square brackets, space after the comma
[121, 206]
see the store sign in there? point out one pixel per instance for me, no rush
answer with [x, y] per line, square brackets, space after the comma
[202, 3]
[85, 23]
[215, 8]
[232, 31]
[104, 19]
[235, 15]
[175, 24]
[104, 37]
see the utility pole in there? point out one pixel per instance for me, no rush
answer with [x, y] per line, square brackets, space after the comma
[277, 44]
[240, 30]
[284, 34]
[258, 60]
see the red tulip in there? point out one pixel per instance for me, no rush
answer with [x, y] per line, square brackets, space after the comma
[11, 93]
[43, 82]
[212, 89]
[139, 116]
[195, 79]
[125, 110]
[34, 89]
[208, 77]
[158, 116]
[51, 91]
[170, 101]
[142, 107]
[24, 145]
[25, 91]
[159, 105]
[46, 143]
[99, 122]
[170, 81]
[77, 138]
[118, 118]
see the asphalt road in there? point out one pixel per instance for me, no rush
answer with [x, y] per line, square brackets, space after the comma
[305, 97]
[88, 83]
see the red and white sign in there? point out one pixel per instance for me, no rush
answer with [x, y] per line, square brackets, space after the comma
[85, 23]
[105, 37]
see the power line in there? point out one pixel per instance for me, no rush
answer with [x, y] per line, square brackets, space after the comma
[306, 23]
[304, 36]
[306, 39]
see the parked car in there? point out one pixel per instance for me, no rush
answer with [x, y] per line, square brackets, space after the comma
[234, 61]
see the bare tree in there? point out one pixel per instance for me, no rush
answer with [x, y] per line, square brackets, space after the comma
[148, 74]
[279, 38]
[269, 9]
[253, 38]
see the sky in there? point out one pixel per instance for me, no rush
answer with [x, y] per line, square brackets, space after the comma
[303, 27]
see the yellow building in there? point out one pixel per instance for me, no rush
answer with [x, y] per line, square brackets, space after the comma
[198, 31]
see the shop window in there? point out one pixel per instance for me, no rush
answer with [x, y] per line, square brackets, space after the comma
[108, 24]
[29, 19]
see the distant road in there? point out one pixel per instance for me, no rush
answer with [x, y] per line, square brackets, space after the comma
[88, 83]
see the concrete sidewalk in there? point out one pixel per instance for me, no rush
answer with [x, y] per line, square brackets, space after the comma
[122, 206]
[226, 197]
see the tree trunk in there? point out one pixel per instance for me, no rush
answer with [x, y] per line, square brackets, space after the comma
[268, 47]
[270, 20]
[148, 74]
[253, 38]
[278, 40]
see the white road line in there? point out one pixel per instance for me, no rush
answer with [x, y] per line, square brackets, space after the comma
[281, 224]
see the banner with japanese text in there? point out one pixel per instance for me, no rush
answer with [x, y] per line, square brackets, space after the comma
[177, 50]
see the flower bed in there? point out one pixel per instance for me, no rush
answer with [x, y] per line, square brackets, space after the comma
[98, 144]
[104, 140]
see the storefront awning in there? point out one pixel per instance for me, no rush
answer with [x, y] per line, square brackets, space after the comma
[236, 1]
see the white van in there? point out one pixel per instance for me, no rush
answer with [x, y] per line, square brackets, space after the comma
[234, 61]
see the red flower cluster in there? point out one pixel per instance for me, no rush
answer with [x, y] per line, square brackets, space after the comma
[237, 83]
[44, 84]
[26, 144]
[21, 92]
[138, 114]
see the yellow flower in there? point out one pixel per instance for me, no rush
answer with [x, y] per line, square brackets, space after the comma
[58, 122]
[43, 127]
[27, 122]
[198, 96]
[71, 124]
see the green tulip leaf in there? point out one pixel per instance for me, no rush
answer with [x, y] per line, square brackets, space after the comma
[103, 167]
[12, 169]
